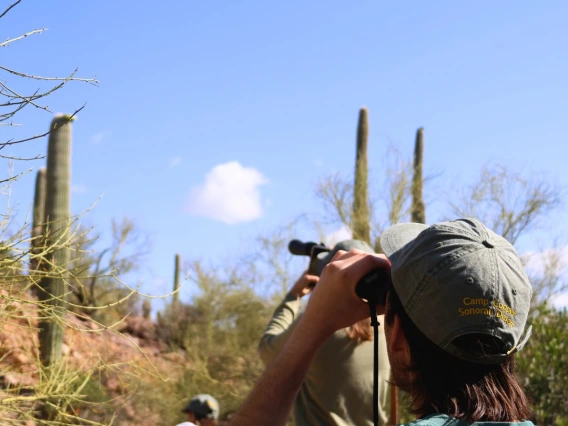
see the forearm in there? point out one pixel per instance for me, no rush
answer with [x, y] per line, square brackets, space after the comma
[334, 304]
[284, 315]
[279, 328]
[270, 401]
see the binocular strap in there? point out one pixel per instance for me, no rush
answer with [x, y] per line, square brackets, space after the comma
[375, 323]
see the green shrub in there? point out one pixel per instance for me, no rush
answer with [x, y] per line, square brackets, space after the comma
[543, 365]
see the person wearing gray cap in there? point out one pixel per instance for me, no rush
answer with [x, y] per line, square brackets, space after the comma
[339, 385]
[454, 319]
[202, 410]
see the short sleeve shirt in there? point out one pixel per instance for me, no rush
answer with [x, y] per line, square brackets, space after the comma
[445, 420]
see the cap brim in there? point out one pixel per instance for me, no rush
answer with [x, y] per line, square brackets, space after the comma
[399, 235]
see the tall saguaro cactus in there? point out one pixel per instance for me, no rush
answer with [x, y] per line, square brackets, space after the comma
[361, 211]
[38, 219]
[176, 281]
[57, 222]
[418, 209]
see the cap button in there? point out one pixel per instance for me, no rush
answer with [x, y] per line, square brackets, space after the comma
[488, 243]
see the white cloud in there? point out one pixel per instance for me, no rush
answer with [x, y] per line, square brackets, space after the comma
[343, 233]
[78, 189]
[539, 263]
[175, 161]
[560, 300]
[230, 194]
[535, 262]
[97, 138]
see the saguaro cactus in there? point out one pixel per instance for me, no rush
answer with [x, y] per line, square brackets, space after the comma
[361, 211]
[57, 222]
[176, 281]
[418, 209]
[38, 219]
[146, 309]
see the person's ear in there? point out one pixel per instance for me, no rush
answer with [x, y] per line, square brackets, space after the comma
[398, 345]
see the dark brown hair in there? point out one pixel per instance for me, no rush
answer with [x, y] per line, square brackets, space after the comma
[445, 384]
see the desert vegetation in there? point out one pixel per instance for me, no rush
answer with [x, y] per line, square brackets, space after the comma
[80, 344]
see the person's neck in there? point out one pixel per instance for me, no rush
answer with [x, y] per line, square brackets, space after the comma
[416, 404]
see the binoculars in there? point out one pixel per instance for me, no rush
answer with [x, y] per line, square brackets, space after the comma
[372, 288]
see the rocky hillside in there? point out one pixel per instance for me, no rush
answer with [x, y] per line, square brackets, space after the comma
[122, 360]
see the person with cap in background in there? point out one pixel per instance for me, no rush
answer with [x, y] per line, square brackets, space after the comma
[338, 388]
[202, 410]
[455, 318]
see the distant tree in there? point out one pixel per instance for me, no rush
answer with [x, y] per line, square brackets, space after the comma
[543, 364]
[96, 274]
[547, 273]
[269, 267]
[509, 202]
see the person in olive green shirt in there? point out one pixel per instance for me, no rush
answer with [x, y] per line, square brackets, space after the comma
[338, 388]
[454, 319]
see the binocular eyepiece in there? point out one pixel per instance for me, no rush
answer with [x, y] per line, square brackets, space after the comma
[300, 248]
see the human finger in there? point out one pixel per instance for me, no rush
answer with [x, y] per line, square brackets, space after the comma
[353, 266]
[311, 280]
[348, 254]
[357, 267]
[337, 255]
[305, 281]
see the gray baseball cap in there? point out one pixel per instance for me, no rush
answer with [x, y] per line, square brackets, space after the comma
[457, 278]
[203, 405]
[346, 245]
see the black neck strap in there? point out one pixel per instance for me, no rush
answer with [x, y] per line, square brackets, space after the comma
[375, 323]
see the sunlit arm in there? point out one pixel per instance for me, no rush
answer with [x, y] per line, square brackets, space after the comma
[332, 306]
[271, 400]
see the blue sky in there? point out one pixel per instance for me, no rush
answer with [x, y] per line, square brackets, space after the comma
[213, 120]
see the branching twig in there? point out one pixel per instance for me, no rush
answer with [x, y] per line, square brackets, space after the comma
[13, 142]
[93, 81]
[7, 42]
[9, 8]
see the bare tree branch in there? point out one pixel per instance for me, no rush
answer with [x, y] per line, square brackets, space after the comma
[336, 193]
[12, 142]
[38, 77]
[94, 276]
[7, 42]
[509, 203]
[8, 157]
[10, 8]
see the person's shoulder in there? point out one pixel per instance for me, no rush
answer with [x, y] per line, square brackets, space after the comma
[437, 420]
[445, 420]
